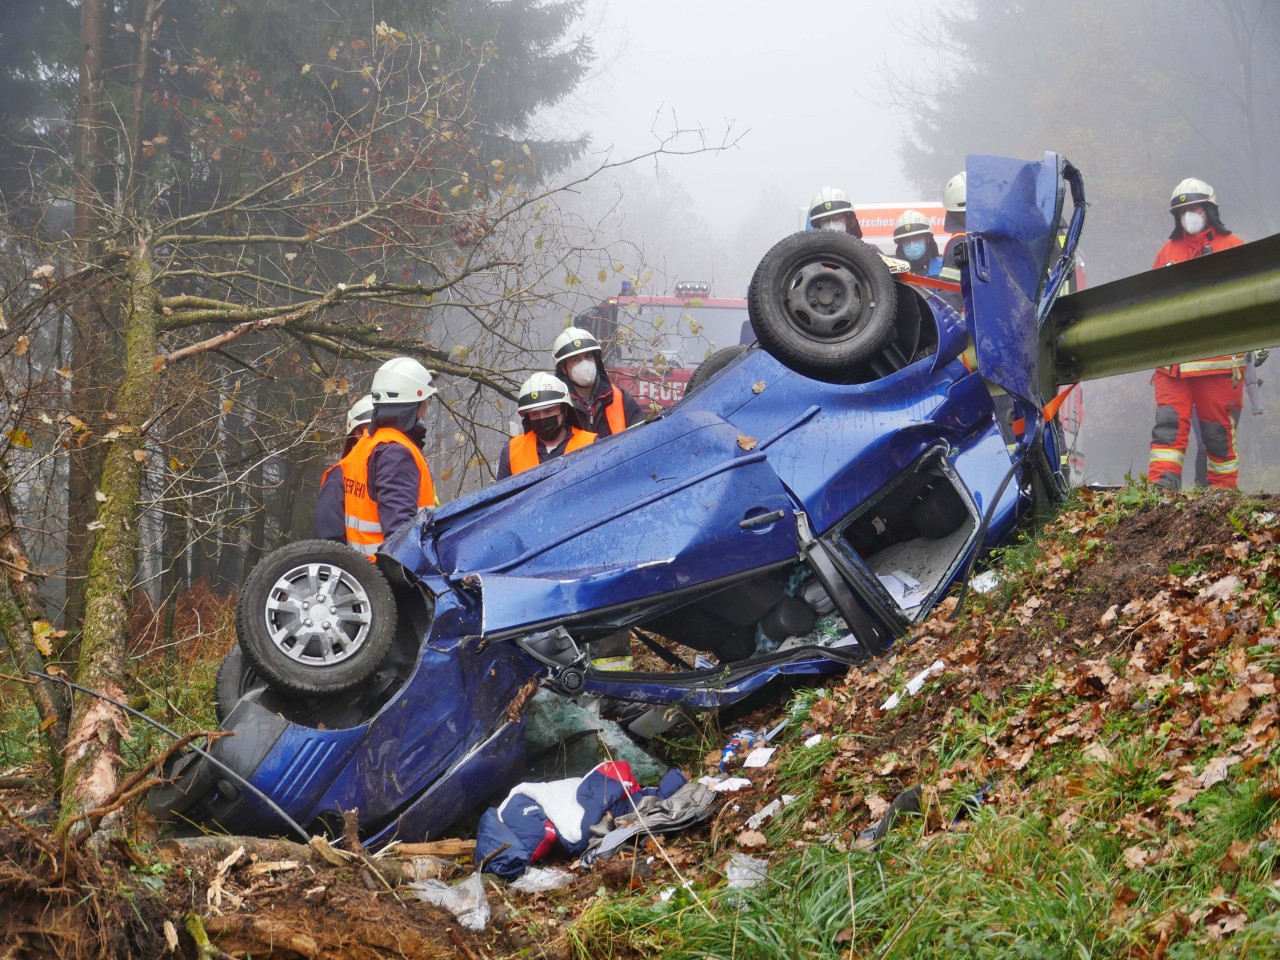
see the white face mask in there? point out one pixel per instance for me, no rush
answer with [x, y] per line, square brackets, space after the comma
[833, 225]
[1193, 222]
[583, 372]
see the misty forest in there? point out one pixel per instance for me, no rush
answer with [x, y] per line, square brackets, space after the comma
[219, 217]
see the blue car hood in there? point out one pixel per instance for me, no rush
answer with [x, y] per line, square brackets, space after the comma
[649, 512]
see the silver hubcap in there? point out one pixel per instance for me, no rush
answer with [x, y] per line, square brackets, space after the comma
[318, 614]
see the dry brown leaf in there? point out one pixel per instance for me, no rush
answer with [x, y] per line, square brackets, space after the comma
[1220, 590]
[746, 443]
[758, 387]
[877, 805]
[1216, 770]
[1236, 704]
[752, 839]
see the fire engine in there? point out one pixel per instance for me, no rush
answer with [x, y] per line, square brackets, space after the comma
[652, 344]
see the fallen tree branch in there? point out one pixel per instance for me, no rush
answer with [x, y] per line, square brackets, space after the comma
[207, 851]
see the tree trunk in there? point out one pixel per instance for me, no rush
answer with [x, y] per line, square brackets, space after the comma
[20, 607]
[93, 344]
[91, 776]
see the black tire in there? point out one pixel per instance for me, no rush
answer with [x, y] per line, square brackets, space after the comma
[714, 364]
[235, 678]
[822, 303]
[299, 653]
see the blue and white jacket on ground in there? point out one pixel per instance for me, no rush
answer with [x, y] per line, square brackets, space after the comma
[538, 818]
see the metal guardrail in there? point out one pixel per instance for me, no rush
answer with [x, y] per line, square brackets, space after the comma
[1225, 303]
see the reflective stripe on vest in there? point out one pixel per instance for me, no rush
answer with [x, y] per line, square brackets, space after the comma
[364, 529]
[1199, 368]
[523, 450]
[615, 414]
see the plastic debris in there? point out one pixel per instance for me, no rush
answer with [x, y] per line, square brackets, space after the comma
[465, 900]
[914, 685]
[738, 744]
[985, 582]
[745, 872]
[814, 740]
[542, 879]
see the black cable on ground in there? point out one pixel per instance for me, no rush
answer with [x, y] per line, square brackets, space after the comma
[306, 837]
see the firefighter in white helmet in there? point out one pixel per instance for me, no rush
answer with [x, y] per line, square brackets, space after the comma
[1210, 390]
[915, 243]
[954, 201]
[603, 408]
[329, 525]
[550, 426]
[831, 209]
[385, 479]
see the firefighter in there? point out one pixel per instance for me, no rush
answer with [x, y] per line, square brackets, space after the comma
[602, 408]
[550, 426]
[831, 209]
[385, 479]
[329, 524]
[913, 235]
[1212, 387]
[954, 197]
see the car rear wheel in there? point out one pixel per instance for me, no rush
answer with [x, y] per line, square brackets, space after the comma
[709, 367]
[822, 303]
[315, 617]
[235, 678]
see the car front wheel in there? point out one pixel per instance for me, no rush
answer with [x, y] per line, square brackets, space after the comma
[822, 303]
[315, 617]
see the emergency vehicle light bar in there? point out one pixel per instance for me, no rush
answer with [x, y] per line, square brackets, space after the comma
[693, 288]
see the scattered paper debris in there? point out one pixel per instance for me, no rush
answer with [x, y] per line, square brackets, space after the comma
[915, 684]
[759, 757]
[727, 785]
[757, 820]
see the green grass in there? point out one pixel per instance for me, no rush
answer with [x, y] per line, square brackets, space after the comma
[1077, 855]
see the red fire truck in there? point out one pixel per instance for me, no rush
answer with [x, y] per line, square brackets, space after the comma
[652, 344]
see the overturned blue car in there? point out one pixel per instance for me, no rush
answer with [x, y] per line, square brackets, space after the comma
[855, 460]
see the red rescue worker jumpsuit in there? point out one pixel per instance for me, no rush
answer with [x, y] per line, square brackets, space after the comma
[1213, 387]
[364, 528]
[525, 453]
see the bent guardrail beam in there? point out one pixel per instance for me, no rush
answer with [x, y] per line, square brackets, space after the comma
[1225, 303]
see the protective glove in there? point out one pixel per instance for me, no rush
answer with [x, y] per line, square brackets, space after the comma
[1260, 357]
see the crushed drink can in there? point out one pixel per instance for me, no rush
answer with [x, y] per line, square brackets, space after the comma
[738, 745]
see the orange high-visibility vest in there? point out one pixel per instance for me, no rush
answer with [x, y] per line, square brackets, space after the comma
[364, 529]
[615, 414]
[523, 449]
[1191, 247]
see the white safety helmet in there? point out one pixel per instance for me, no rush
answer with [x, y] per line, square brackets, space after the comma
[572, 342]
[540, 391]
[828, 202]
[402, 380]
[953, 194]
[912, 223]
[1190, 192]
[361, 413]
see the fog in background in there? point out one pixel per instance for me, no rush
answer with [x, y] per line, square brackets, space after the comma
[885, 102]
